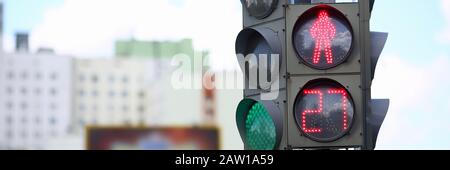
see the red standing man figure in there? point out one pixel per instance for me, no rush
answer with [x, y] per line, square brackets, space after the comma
[323, 32]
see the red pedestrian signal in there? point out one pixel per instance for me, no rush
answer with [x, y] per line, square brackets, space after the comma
[323, 37]
[323, 32]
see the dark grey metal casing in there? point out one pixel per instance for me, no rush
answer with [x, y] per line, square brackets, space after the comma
[272, 26]
[275, 22]
[349, 74]
[356, 73]
[278, 13]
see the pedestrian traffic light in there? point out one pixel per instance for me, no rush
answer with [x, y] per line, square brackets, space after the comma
[327, 59]
[325, 90]
[315, 35]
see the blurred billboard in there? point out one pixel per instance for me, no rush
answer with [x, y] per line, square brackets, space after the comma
[153, 138]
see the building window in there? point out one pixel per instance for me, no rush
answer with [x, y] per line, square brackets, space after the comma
[81, 122]
[94, 93]
[53, 76]
[24, 91]
[9, 120]
[124, 94]
[9, 134]
[141, 109]
[24, 134]
[81, 93]
[112, 93]
[37, 91]
[24, 75]
[24, 106]
[9, 90]
[125, 79]
[9, 105]
[94, 78]
[141, 94]
[10, 75]
[112, 79]
[81, 108]
[125, 108]
[24, 120]
[52, 121]
[53, 92]
[37, 135]
[38, 76]
[81, 78]
[37, 120]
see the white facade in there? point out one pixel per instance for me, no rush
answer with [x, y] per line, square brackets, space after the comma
[131, 92]
[35, 102]
[107, 92]
[114, 92]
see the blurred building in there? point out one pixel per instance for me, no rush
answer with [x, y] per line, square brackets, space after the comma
[179, 106]
[48, 101]
[35, 102]
[115, 92]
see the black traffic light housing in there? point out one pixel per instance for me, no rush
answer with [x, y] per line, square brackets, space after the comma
[264, 76]
[301, 37]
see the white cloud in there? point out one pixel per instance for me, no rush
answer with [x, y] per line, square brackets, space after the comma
[445, 35]
[90, 27]
[418, 116]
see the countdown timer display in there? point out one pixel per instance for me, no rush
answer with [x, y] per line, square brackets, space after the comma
[324, 110]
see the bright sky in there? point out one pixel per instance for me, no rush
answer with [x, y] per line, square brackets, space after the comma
[413, 71]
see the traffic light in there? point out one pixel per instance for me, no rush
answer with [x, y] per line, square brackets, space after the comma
[261, 115]
[327, 59]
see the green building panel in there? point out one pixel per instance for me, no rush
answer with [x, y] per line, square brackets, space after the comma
[153, 49]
